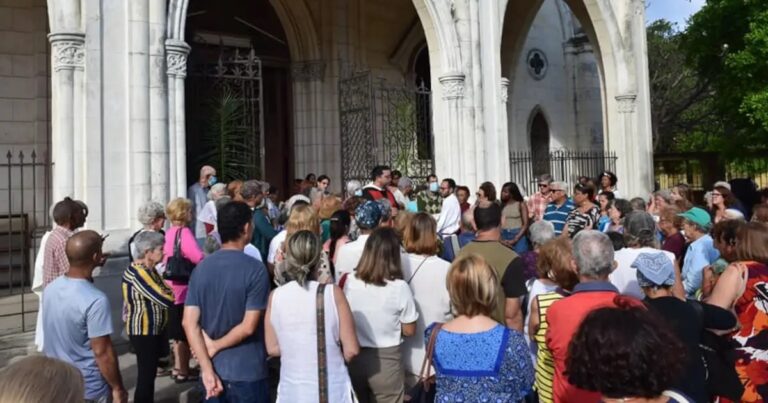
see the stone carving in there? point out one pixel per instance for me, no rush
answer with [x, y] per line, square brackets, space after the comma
[313, 70]
[176, 53]
[504, 90]
[453, 85]
[627, 103]
[68, 51]
[537, 64]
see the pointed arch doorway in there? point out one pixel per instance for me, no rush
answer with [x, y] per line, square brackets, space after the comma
[539, 140]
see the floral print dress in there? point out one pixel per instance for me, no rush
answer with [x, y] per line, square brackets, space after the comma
[490, 366]
[752, 352]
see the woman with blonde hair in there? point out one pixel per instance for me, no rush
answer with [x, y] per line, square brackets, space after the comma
[476, 359]
[41, 379]
[179, 213]
[384, 312]
[328, 206]
[425, 273]
[303, 218]
[291, 327]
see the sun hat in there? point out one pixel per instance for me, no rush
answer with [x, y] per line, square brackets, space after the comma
[368, 215]
[654, 270]
[698, 216]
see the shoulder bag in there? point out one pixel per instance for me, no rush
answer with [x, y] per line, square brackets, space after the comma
[178, 268]
[424, 391]
[322, 359]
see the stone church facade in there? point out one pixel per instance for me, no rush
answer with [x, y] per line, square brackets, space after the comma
[109, 89]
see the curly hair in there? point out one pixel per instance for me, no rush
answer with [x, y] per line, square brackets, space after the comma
[624, 351]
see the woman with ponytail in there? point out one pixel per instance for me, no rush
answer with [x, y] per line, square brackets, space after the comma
[291, 330]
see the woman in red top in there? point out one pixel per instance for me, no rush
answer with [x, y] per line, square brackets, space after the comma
[744, 287]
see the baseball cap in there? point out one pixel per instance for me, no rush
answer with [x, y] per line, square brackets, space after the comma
[368, 215]
[698, 216]
[654, 270]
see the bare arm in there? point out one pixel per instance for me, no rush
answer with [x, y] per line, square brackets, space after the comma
[270, 337]
[729, 284]
[525, 220]
[409, 329]
[106, 359]
[347, 333]
[678, 290]
[513, 315]
[533, 318]
[194, 332]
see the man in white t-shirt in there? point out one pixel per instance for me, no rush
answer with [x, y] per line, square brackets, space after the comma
[450, 212]
[639, 237]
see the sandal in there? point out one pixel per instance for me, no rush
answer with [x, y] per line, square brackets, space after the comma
[163, 371]
[179, 378]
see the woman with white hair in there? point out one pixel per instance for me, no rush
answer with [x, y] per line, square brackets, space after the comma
[152, 218]
[354, 188]
[291, 327]
[208, 214]
[147, 300]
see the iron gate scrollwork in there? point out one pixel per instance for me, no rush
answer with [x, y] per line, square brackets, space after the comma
[385, 124]
[228, 89]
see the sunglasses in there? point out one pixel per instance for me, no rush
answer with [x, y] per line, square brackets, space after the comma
[541, 185]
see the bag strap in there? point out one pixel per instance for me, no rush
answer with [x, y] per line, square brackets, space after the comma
[456, 246]
[322, 359]
[177, 243]
[417, 270]
[426, 365]
[343, 280]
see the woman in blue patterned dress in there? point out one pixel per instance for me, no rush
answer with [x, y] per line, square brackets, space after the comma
[477, 359]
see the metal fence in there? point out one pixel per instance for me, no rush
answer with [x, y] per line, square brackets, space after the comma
[700, 170]
[564, 165]
[24, 206]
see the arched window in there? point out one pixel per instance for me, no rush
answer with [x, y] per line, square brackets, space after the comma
[539, 132]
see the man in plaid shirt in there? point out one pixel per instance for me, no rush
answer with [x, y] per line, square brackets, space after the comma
[538, 201]
[68, 215]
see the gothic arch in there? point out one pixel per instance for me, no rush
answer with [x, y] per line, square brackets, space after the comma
[539, 136]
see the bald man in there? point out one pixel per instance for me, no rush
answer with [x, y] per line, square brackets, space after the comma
[78, 324]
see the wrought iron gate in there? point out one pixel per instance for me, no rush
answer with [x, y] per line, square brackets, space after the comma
[385, 124]
[238, 79]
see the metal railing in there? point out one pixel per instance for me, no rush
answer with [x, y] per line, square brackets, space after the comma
[563, 165]
[24, 217]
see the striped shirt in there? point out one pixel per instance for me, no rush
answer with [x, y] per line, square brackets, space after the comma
[558, 215]
[147, 300]
[545, 367]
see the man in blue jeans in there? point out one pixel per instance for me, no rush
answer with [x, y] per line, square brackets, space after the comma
[225, 305]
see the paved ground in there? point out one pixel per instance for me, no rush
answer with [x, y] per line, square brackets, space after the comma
[16, 346]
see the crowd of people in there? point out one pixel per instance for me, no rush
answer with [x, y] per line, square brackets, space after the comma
[570, 294]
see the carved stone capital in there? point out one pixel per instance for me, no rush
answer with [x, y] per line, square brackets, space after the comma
[67, 50]
[311, 70]
[453, 85]
[627, 103]
[504, 90]
[176, 53]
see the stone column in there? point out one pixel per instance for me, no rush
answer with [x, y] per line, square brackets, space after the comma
[68, 59]
[176, 53]
[504, 128]
[455, 157]
[312, 146]
[158, 105]
[631, 180]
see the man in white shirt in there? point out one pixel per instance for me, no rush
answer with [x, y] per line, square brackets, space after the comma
[198, 195]
[450, 212]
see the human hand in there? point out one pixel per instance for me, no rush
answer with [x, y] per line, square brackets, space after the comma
[210, 345]
[212, 383]
[119, 396]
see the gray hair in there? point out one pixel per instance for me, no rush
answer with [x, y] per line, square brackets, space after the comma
[302, 255]
[546, 178]
[542, 231]
[637, 203]
[147, 241]
[665, 194]
[640, 230]
[150, 211]
[404, 182]
[315, 195]
[353, 186]
[560, 185]
[250, 189]
[221, 202]
[593, 252]
[217, 190]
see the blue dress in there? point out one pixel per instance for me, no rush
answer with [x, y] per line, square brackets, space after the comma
[492, 366]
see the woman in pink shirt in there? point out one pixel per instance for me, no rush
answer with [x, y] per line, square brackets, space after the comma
[179, 213]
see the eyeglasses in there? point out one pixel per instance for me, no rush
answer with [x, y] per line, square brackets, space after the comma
[716, 194]
[557, 190]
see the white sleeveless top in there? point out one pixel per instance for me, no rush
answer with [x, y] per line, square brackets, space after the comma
[294, 320]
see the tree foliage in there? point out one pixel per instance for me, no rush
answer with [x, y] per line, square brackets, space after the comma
[727, 43]
[681, 100]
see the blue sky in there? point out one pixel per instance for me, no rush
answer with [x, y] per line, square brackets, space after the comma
[672, 10]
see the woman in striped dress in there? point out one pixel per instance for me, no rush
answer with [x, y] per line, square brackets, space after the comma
[147, 300]
[554, 270]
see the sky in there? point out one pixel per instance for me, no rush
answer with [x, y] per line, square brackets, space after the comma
[672, 10]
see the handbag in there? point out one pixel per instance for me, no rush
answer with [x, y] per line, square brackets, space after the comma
[322, 358]
[424, 391]
[178, 268]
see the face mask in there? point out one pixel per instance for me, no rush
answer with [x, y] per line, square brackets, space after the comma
[212, 180]
[359, 192]
[433, 187]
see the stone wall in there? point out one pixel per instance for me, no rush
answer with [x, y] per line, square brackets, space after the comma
[25, 97]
